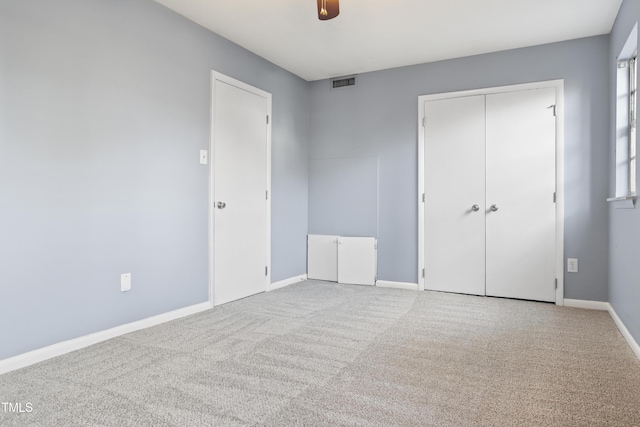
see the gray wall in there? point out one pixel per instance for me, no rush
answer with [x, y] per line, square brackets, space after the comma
[378, 118]
[104, 106]
[624, 224]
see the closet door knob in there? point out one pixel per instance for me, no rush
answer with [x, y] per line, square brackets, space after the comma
[494, 208]
[475, 208]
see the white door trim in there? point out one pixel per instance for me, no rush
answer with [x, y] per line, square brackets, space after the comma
[559, 87]
[216, 76]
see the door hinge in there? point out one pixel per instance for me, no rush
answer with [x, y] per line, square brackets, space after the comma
[266, 270]
[266, 196]
[424, 122]
[267, 119]
[423, 198]
[423, 272]
[554, 197]
[556, 283]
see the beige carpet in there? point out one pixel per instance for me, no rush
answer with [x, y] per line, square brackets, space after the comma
[318, 353]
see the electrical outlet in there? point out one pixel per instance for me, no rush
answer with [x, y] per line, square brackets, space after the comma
[572, 265]
[125, 282]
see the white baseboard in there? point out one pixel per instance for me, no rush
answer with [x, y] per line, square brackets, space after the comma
[590, 305]
[286, 282]
[605, 306]
[625, 332]
[397, 285]
[44, 353]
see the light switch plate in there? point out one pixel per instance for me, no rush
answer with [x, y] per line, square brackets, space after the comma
[204, 157]
[125, 282]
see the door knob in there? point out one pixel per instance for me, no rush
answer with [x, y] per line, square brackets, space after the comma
[494, 208]
[475, 208]
[221, 205]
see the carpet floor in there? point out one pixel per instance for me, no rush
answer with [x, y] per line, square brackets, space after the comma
[317, 353]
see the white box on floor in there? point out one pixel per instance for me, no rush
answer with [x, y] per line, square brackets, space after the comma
[357, 260]
[349, 260]
[322, 257]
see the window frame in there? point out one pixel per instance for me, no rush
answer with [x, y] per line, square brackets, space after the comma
[633, 85]
[625, 135]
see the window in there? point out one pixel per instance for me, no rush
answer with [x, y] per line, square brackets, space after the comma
[633, 84]
[625, 130]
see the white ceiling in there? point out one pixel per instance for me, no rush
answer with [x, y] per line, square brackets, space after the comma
[372, 35]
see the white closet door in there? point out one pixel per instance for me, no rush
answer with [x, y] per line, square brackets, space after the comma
[455, 195]
[357, 260]
[521, 184]
[322, 257]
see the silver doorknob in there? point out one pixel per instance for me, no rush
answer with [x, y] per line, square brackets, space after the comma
[221, 205]
[494, 208]
[475, 208]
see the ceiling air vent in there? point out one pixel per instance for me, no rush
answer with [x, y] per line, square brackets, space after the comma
[343, 82]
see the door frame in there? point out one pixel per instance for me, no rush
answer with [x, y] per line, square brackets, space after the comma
[216, 76]
[558, 85]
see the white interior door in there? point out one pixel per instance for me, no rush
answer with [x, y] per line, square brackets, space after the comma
[454, 207]
[322, 257]
[240, 184]
[521, 171]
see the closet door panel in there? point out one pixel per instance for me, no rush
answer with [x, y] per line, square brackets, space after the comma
[520, 181]
[454, 184]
